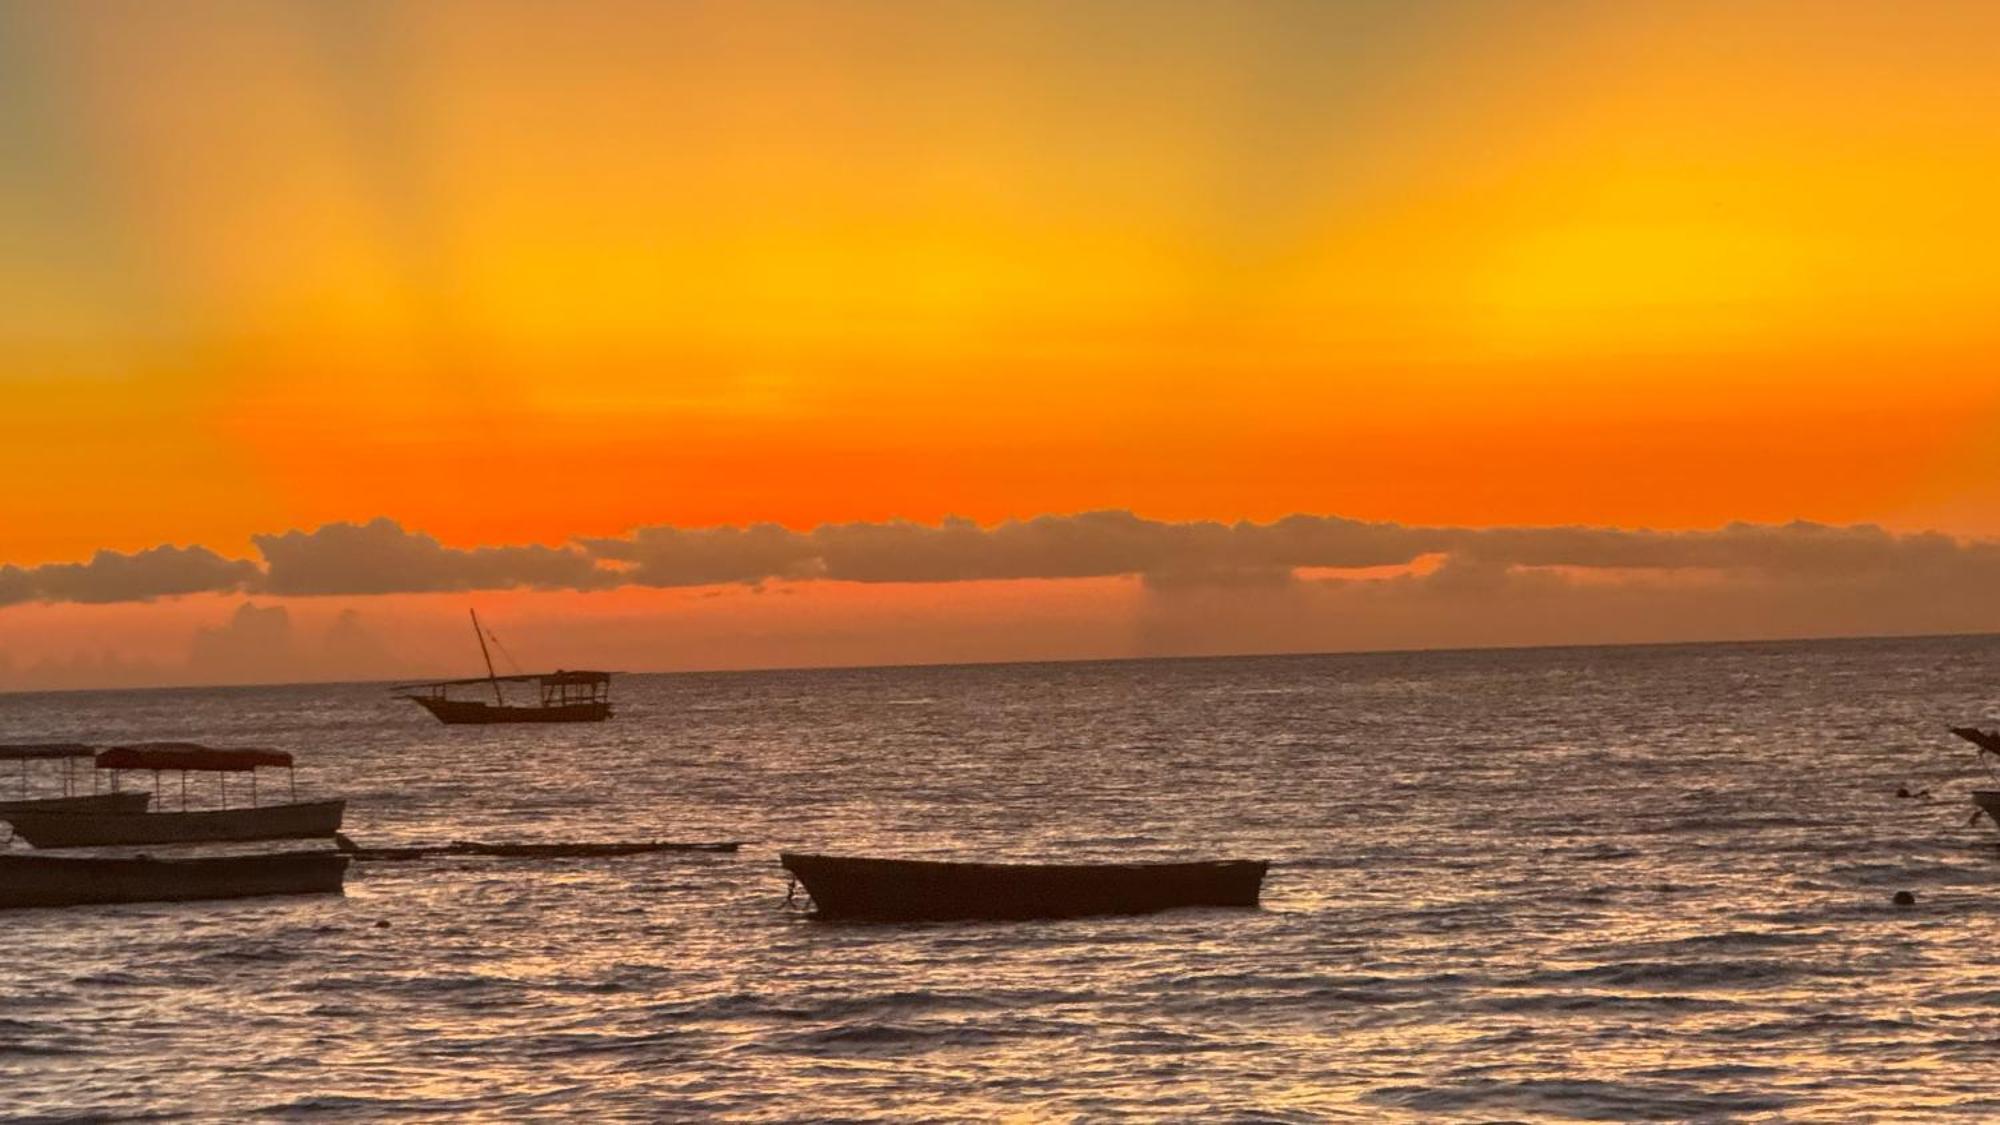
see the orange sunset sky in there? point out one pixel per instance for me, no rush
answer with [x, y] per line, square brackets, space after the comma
[516, 274]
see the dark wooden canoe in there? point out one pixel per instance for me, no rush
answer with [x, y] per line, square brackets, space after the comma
[126, 801]
[260, 822]
[38, 880]
[474, 712]
[923, 890]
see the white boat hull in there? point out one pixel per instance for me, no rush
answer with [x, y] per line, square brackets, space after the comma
[265, 822]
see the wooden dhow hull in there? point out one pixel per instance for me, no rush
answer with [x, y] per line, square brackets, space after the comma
[32, 880]
[265, 822]
[844, 887]
[473, 712]
[126, 801]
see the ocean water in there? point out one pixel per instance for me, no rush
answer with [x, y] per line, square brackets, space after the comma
[1615, 883]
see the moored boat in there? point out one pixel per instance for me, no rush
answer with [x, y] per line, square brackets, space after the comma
[66, 797]
[859, 887]
[36, 880]
[124, 803]
[564, 696]
[553, 709]
[307, 819]
[292, 820]
[1986, 800]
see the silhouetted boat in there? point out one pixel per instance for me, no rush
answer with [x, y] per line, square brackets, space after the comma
[124, 803]
[926, 890]
[1987, 800]
[36, 880]
[565, 697]
[1989, 743]
[69, 800]
[293, 820]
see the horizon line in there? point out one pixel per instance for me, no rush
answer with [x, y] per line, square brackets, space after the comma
[1738, 642]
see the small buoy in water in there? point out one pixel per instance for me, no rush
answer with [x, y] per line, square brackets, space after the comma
[1907, 793]
[384, 923]
[1905, 898]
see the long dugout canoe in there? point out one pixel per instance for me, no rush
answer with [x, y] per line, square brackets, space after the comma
[925, 890]
[125, 802]
[36, 880]
[264, 822]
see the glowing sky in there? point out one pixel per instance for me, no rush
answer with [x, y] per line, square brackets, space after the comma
[524, 272]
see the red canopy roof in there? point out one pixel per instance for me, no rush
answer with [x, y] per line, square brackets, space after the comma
[187, 756]
[37, 750]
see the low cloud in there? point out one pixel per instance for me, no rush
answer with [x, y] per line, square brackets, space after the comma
[708, 556]
[1173, 558]
[109, 576]
[380, 557]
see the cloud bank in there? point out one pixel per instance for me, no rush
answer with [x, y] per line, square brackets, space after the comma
[142, 576]
[382, 557]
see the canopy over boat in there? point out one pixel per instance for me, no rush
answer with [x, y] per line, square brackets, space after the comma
[38, 751]
[557, 678]
[187, 756]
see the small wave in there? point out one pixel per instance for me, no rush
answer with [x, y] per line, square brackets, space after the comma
[1708, 945]
[1582, 1098]
[870, 1036]
[1675, 975]
[1609, 1002]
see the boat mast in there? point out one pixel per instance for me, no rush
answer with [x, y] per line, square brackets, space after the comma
[490, 674]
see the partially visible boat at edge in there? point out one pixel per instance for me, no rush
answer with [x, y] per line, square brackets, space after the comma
[37, 880]
[856, 887]
[1987, 800]
[292, 820]
[564, 696]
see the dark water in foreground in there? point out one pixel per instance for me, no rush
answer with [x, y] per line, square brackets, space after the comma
[1610, 883]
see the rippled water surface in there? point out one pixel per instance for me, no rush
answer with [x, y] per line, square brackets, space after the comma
[1590, 883]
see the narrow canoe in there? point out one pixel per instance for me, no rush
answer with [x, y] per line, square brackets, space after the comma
[263, 822]
[127, 801]
[923, 890]
[36, 880]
